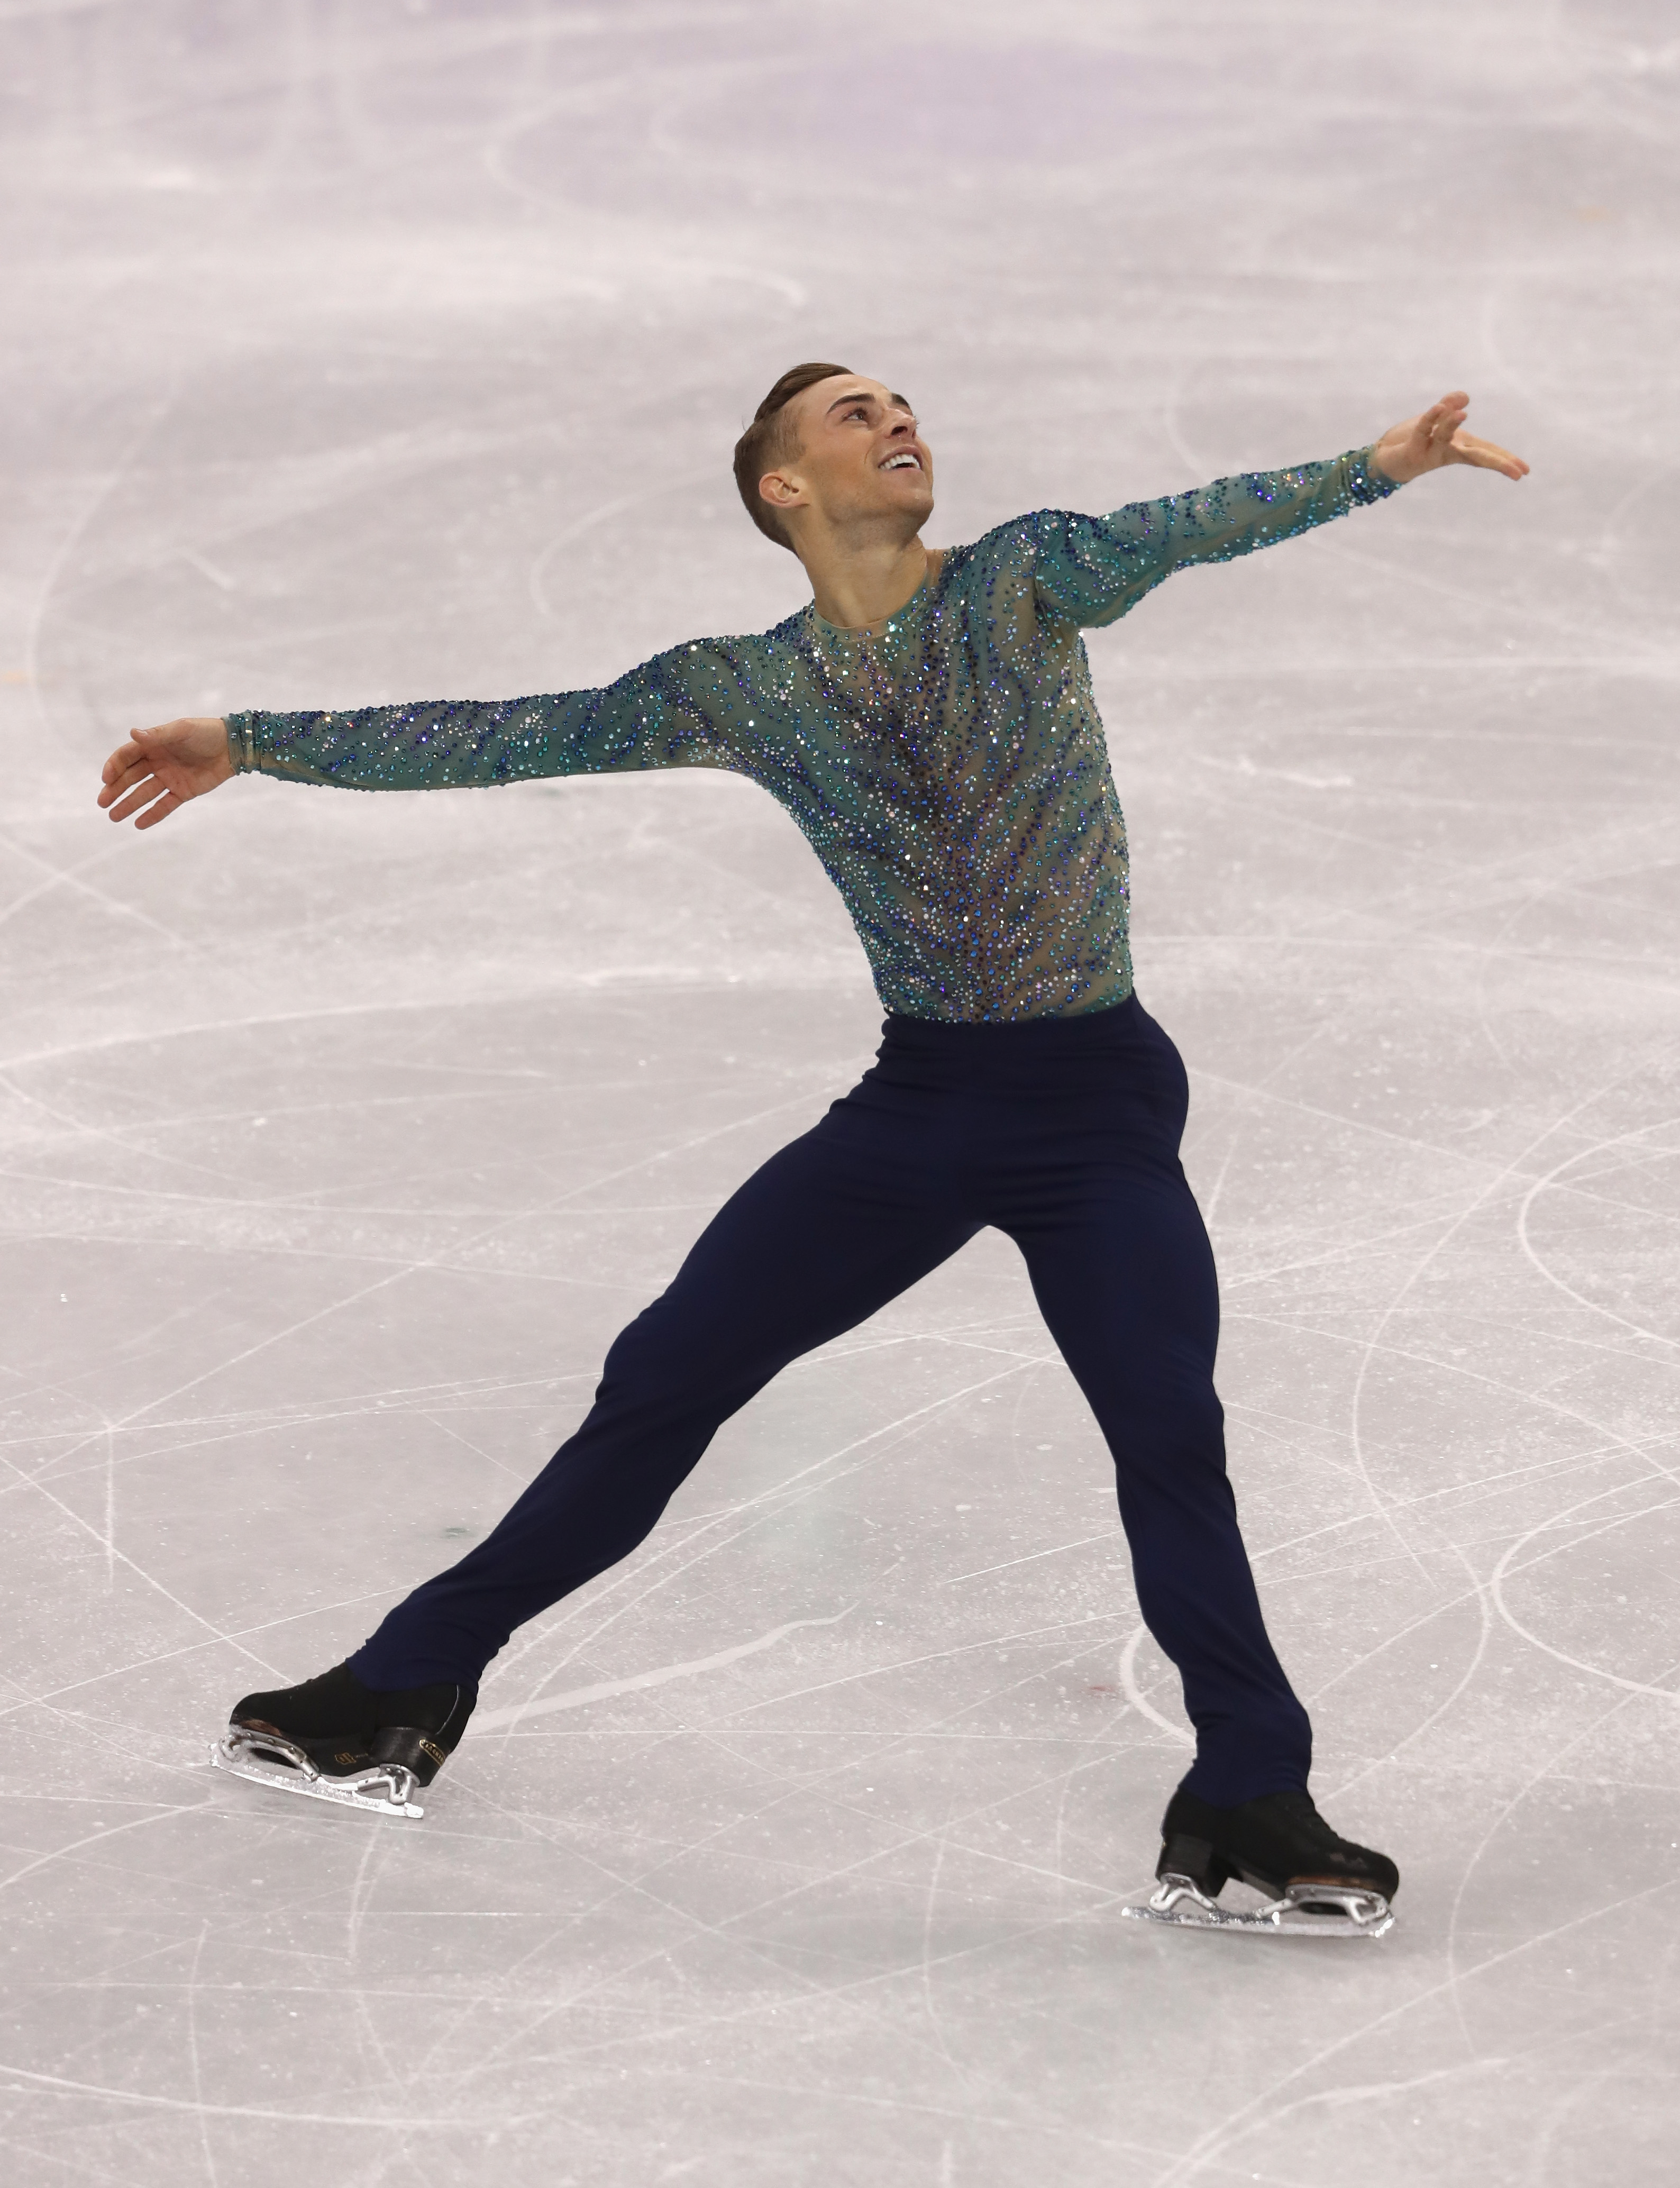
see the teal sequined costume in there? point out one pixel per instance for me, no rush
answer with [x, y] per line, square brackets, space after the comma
[948, 766]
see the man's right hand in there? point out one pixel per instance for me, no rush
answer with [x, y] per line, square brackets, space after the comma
[158, 770]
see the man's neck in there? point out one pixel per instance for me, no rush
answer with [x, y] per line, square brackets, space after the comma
[857, 585]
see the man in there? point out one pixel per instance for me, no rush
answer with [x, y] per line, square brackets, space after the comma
[929, 723]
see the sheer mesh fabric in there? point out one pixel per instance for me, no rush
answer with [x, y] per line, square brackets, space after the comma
[948, 766]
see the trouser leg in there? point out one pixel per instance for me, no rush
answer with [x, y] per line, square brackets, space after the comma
[1124, 1277]
[828, 1230]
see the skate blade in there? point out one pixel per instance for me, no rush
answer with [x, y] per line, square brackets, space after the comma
[384, 1789]
[1347, 1913]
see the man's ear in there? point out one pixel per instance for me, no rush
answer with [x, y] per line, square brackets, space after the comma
[782, 490]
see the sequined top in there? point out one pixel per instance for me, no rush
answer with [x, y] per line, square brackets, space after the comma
[948, 766]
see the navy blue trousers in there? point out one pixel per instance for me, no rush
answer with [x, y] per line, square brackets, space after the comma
[1064, 1134]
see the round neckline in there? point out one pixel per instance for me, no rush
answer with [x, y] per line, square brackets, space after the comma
[938, 557]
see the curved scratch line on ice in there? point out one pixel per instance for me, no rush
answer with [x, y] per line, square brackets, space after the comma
[1539, 1185]
[1380, 1509]
[575, 1697]
[1497, 1586]
[753, 1512]
[1475, 1592]
[1136, 1695]
[1210, 2148]
[1454, 1980]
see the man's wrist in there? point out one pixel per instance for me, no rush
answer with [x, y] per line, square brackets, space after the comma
[1370, 480]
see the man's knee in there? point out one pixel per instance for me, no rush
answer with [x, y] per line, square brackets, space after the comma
[666, 1371]
[1156, 1392]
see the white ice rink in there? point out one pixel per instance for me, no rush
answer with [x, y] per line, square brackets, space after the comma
[360, 350]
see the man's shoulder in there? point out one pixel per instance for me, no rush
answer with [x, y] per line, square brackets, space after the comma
[1017, 539]
[729, 650]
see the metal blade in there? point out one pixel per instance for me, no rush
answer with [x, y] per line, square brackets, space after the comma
[1347, 1912]
[385, 1790]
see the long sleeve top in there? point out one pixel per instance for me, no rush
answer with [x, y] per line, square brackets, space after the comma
[948, 766]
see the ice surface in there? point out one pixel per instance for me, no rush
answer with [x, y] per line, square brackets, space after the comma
[366, 349]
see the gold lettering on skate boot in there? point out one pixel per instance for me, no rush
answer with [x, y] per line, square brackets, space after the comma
[346, 1755]
[436, 1753]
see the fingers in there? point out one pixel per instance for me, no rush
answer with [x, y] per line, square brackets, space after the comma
[1442, 420]
[165, 806]
[132, 760]
[126, 767]
[123, 758]
[135, 793]
[1489, 456]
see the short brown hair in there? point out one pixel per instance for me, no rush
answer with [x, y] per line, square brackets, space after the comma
[767, 442]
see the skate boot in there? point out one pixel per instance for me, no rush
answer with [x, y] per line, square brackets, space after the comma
[1317, 1885]
[336, 1740]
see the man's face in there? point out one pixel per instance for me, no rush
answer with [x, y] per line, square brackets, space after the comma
[860, 455]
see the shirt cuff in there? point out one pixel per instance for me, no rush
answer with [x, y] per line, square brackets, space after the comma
[1366, 483]
[242, 744]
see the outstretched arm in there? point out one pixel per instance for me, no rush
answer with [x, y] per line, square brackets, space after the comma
[655, 717]
[1093, 569]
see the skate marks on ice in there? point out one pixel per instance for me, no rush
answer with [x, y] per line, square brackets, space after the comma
[514, 1713]
[268, 1758]
[680, 1552]
[840, 1911]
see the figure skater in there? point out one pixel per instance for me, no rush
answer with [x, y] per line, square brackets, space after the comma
[928, 721]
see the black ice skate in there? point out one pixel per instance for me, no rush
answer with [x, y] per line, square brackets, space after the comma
[336, 1740]
[1316, 1885]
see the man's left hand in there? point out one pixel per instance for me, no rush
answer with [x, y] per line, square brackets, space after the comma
[1436, 438]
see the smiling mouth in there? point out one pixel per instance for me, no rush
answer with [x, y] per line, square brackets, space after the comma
[903, 460]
